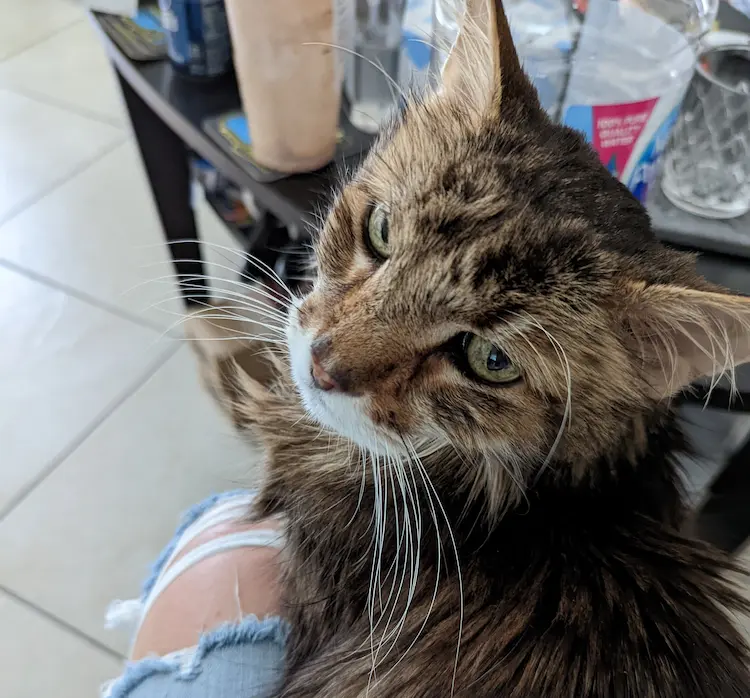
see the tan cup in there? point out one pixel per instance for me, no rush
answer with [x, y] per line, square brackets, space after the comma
[290, 91]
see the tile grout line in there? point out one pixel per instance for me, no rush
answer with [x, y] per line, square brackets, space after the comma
[93, 426]
[87, 298]
[42, 39]
[79, 169]
[66, 106]
[31, 606]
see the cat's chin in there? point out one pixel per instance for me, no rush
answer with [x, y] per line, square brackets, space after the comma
[342, 414]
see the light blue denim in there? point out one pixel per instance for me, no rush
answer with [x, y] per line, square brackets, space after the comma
[236, 660]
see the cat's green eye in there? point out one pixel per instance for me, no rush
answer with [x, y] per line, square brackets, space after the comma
[488, 362]
[377, 231]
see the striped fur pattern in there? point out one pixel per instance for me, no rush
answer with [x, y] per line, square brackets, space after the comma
[513, 541]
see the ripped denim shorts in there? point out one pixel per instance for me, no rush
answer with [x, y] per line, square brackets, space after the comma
[236, 660]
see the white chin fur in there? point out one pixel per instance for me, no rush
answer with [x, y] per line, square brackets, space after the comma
[341, 413]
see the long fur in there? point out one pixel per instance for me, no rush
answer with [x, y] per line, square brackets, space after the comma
[520, 541]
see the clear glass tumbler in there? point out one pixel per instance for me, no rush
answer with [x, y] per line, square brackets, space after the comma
[707, 165]
[372, 65]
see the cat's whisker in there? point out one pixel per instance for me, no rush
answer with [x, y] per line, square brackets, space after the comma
[261, 315]
[190, 282]
[273, 332]
[349, 452]
[415, 571]
[357, 509]
[258, 338]
[253, 261]
[352, 52]
[423, 41]
[516, 331]
[378, 553]
[727, 369]
[277, 334]
[320, 433]
[252, 294]
[408, 564]
[413, 552]
[212, 311]
[400, 527]
[717, 375]
[249, 308]
[226, 337]
[568, 411]
[280, 352]
[243, 280]
[301, 250]
[717, 334]
[164, 279]
[373, 571]
[390, 84]
[429, 487]
[258, 309]
[384, 520]
[246, 257]
[223, 294]
[255, 288]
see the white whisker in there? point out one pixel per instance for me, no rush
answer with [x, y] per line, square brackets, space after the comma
[210, 311]
[252, 284]
[259, 312]
[252, 294]
[395, 566]
[436, 498]
[568, 412]
[247, 257]
[377, 67]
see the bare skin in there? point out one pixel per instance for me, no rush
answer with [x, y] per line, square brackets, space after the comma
[227, 586]
[222, 588]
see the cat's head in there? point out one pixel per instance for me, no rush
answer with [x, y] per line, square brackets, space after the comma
[484, 282]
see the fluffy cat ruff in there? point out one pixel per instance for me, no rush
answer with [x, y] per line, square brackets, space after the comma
[519, 540]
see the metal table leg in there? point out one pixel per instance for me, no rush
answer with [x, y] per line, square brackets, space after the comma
[724, 519]
[167, 164]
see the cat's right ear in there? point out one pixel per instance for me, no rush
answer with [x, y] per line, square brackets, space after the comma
[684, 334]
[483, 69]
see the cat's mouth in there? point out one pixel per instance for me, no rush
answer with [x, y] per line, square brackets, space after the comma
[344, 414]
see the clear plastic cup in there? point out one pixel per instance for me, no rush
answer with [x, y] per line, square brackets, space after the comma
[707, 166]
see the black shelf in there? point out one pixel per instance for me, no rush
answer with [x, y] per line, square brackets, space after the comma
[184, 106]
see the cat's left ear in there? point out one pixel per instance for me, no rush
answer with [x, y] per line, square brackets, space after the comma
[483, 68]
[684, 334]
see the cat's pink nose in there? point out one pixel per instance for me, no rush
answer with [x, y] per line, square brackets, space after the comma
[320, 377]
[320, 349]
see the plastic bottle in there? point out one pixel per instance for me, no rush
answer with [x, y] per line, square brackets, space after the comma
[616, 70]
[630, 70]
[197, 37]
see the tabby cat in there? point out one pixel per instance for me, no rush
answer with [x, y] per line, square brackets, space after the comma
[468, 423]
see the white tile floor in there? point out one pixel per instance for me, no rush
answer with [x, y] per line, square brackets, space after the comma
[106, 435]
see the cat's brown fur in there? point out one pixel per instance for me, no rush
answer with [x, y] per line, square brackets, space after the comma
[550, 509]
